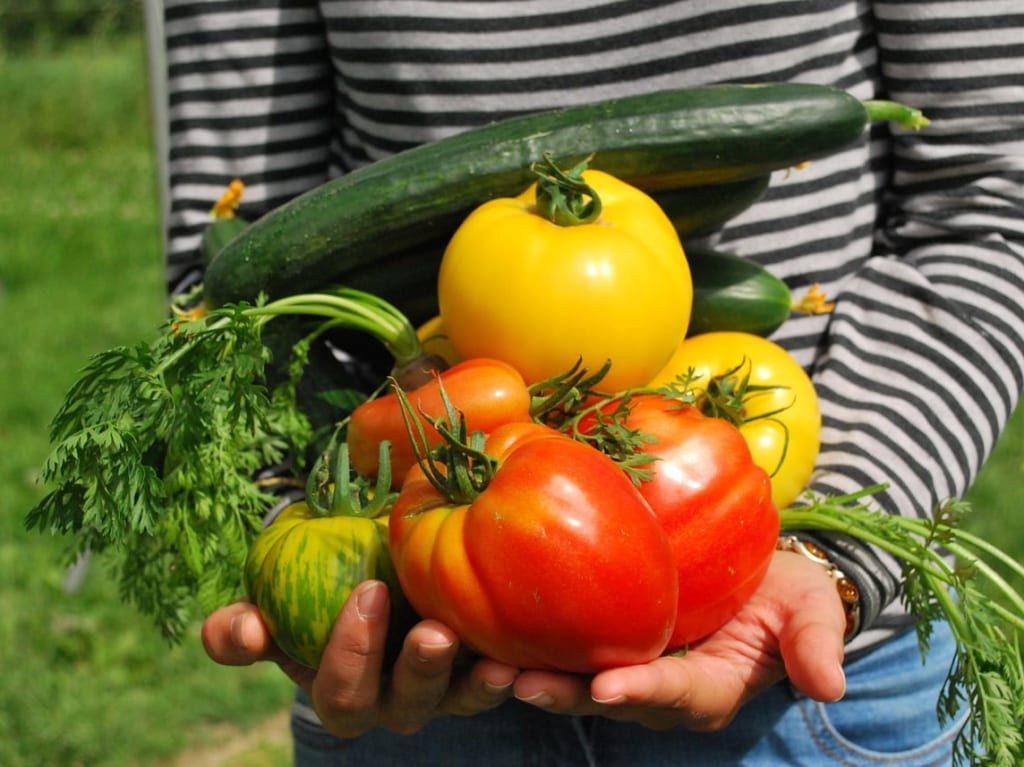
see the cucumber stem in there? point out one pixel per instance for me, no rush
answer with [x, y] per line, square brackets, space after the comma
[883, 110]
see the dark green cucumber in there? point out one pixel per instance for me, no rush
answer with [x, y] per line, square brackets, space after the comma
[734, 293]
[699, 210]
[656, 141]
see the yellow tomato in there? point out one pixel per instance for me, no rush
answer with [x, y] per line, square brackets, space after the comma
[784, 444]
[515, 286]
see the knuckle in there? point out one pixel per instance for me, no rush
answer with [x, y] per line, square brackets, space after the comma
[346, 717]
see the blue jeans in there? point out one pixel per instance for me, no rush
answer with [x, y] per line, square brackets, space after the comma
[886, 718]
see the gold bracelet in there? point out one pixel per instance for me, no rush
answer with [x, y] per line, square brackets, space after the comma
[849, 594]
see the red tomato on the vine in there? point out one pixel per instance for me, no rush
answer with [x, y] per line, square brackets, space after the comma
[558, 563]
[488, 392]
[715, 505]
[782, 420]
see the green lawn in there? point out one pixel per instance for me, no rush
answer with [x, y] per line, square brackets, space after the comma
[86, 680]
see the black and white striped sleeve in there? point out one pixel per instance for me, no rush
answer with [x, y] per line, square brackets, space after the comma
[249, 97]
[924, 358]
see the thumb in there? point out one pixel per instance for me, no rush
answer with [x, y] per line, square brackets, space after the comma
[812, 643]
[236, 635]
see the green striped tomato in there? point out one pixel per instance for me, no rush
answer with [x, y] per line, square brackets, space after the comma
[302, 568]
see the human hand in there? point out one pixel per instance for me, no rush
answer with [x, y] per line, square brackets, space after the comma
[351, 692]
[793, 625]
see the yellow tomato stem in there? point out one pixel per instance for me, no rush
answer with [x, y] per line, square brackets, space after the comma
[563, 197]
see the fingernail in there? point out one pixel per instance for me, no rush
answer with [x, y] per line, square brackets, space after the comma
[497, 689]
[431, 651]
[540, 700]
[371, 600]
[609, 701]
[841, 695]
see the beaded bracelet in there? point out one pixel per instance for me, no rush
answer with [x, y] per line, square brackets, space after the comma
[848, 592]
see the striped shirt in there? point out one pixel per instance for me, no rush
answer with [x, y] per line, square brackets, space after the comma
[917, 238]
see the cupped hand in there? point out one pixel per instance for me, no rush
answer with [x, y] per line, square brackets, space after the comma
[352, 692]
[792, 626]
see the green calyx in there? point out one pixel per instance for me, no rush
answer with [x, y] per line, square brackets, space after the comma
[339, 492]
[459, 469]
[563, 197]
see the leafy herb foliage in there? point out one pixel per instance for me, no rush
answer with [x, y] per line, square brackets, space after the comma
[155, 450]
[157, 447]
[943, 567]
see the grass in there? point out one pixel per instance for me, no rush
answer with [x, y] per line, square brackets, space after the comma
[998, 494]
[86, 680]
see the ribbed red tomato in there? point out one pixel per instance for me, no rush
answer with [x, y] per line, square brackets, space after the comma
[557, 563]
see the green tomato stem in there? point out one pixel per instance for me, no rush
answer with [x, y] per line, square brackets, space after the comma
[334, 493]
[460, 469]
[563, 197]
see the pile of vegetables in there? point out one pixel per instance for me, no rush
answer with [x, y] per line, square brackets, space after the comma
[584, 455]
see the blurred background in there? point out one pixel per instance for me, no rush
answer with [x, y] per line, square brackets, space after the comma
[85, 679]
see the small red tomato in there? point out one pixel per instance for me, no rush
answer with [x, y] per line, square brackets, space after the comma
[488, 392]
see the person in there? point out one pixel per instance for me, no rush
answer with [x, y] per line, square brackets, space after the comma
[917, 238]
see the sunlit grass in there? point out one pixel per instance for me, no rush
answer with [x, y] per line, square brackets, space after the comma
[87, 680]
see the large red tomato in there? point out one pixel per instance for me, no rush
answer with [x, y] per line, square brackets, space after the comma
[558, 563]
[714, 503]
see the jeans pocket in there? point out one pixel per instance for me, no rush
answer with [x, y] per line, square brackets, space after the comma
[889, 715]
[916, 741]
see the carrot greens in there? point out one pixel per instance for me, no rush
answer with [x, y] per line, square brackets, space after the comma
[950, 574]
[158, 447]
